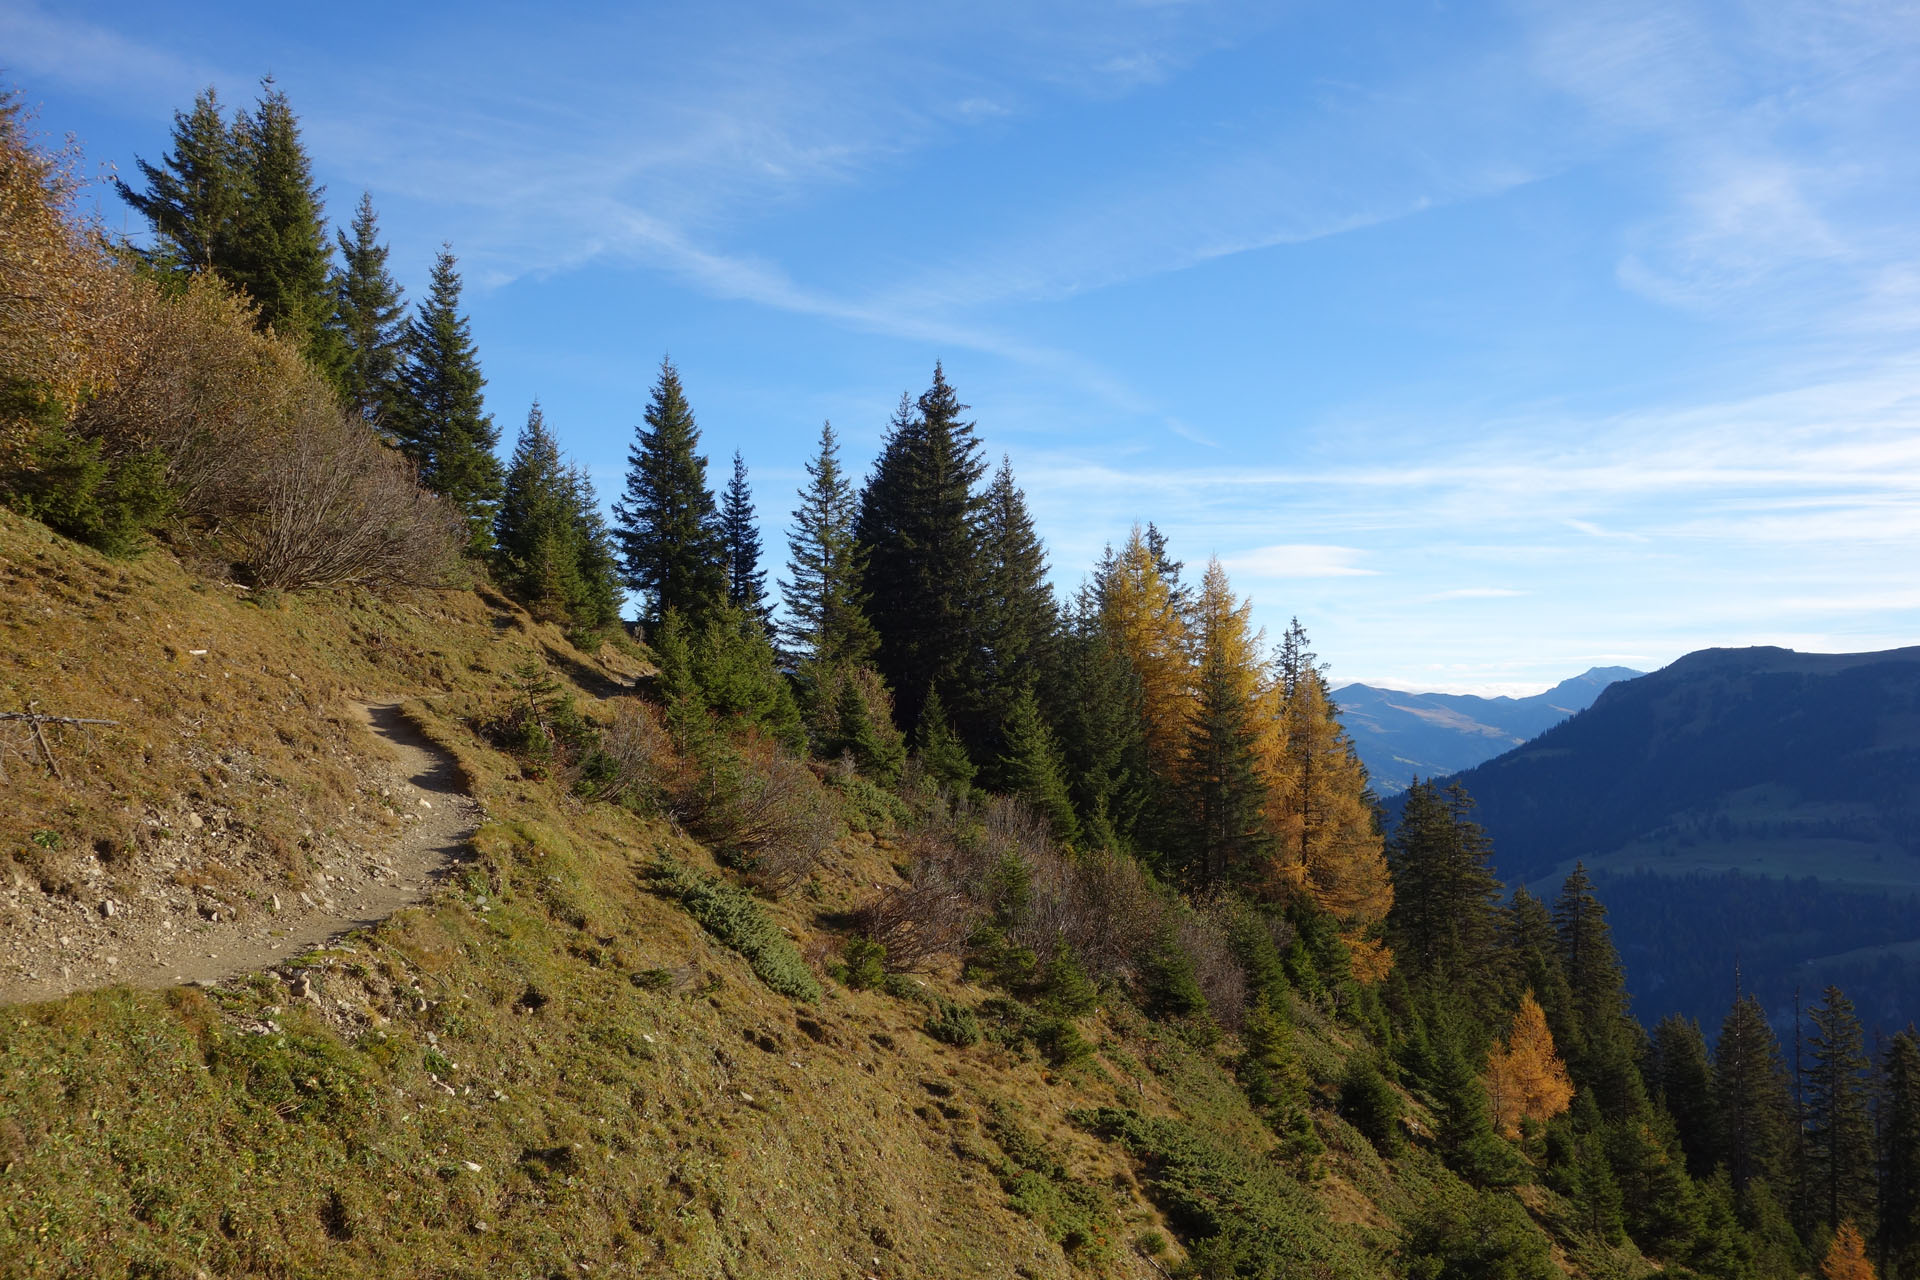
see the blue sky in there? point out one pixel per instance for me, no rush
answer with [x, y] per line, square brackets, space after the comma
[1494, 341]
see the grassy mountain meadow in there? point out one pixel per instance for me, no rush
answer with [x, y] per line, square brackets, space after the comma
[883, 913]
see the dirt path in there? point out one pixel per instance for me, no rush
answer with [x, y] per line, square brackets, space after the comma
[156, 944]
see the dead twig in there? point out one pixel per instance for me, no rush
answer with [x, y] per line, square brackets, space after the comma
[35, 720]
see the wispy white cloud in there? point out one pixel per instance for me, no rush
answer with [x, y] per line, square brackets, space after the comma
[1298, 560]
[1476, 593]
[60, 48]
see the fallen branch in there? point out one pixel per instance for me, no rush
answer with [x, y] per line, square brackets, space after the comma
[36, 720]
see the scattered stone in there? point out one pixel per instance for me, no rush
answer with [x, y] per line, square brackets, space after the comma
[108, 909]
[195, 821]
[273, 902]
[424, 804]
[480, 1228]
[471, 1166]
[746, 1097]
[300, 986]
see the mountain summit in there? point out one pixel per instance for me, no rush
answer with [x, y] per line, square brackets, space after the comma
[1401, 736]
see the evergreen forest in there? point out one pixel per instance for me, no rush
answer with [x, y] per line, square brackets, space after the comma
[1114, 837]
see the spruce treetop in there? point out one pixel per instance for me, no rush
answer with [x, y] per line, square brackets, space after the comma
[671, 541]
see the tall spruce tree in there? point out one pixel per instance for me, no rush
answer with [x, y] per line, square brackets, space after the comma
[195, 194]
[1681, 1078]
[551, 547]
[746, 580]
[1530, 955]
[1750, 1096]
[939, 749]
[670, 537]
[918, 526]
[1030, 767]
[1839, 1167]
[1224, 791]
[281, 259]
[1444, 891]
[439, 416]
[823, 591]
[1094, 701]
[1606, 1049]
[1016, 614]
[1899, 1238]
[368, 319]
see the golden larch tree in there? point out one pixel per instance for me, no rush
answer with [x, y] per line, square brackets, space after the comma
[1138, 610]
[1525, 1078]
[1326, 844]
[1847, 1256]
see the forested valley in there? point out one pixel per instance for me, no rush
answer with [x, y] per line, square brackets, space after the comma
[1085, 898]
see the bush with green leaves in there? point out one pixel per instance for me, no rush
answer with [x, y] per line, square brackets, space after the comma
[731, 915]
[955, 1024]
[1476, 1235]
[1371, 1105]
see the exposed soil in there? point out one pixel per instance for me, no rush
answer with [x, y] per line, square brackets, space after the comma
[194, 917]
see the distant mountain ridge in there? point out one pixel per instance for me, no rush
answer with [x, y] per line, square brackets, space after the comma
[1708, 798]
[1401, 736]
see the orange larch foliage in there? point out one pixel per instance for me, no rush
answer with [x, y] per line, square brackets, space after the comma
[1139, 611]
[1847, 1256]
[1526, 1079]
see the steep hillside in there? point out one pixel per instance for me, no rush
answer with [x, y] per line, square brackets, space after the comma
[1401, 736]
[1762, 762]
[571, 1059]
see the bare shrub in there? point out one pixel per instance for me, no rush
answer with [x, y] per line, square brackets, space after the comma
[332, 506]
[918, 922]
[763, 811]
[637, 765]
[1204, 939]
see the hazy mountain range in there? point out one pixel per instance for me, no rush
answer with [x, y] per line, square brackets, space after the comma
[1401, 736]
[1758, 807]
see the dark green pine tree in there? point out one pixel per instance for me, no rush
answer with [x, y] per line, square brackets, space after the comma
[1750, 1097]
[281, 257]
[1030, 768]
[671, 542]
[551, 547]
[918, 526]
[1016, 615]
[1443, 921]
[1899, 1240]
[746, 580]
[1681, 1078]
[195, 194]
[1530, 951]
[1839, 1136]
[1093, 695]
[1604, 1055]
[368, 319]
[939, 749]
[826, 604]
[439, 416]
[1226, 798]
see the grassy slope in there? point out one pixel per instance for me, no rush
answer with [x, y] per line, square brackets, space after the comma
[481, 1086]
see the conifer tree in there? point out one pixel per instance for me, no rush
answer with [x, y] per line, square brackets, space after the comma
[439, 416]
[551, 548]
[1442, 922]
[281, 257]
[195, 194]
[1016, 615]
[1899, 1242]
[1846, 1256]
[1530, 960]
[1607, 1040]
[853, 718]
[670, 537]
[1144, 622]
[826, 602]
[1525, 1077]
[1839, 1136]
[1750, 1096]
[367, 319]
[1094, 701]
[1224, 793]
[1681, 1078]
[939, 749]
[918, 527]
[746, 580]
[1030, 768]
[1320, 808]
